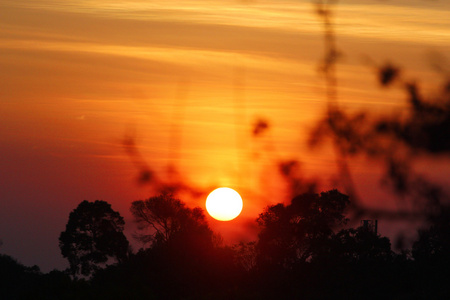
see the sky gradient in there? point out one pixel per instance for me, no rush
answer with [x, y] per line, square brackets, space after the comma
[187, 80]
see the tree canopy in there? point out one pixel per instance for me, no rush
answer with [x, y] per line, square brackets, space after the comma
[93, 237]
[291, 233]
[162, 219]
[303, 251]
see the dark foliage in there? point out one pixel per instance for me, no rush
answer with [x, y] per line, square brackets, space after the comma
[291, 234]
[260, 127]
[351, 246]
[93, 237]
[433, 245]
[20, 282]
[183, 260]
[302, 253]
[164, 219]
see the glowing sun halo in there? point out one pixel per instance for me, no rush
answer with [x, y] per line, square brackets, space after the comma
[224, 204]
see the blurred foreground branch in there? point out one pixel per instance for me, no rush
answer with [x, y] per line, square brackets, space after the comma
[397, 142]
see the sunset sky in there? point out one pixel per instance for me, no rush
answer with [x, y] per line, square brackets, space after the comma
[187, 80]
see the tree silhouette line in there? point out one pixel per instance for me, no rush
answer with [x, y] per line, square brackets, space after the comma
[304, 250]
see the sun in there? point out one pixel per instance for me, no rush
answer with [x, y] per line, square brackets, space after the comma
[224, 204]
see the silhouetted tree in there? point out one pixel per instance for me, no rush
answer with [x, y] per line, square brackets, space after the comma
[182, 261]
[433, 245]
[162, 219]
[292, 233]
[358, 245]
[431, 253]
[93, 237]
[16, 280]
[21, 282]
[245, 255]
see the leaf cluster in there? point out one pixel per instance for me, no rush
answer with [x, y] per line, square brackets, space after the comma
[289, 232]
[93, 235]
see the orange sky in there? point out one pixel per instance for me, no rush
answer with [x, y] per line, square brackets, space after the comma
[188, 79]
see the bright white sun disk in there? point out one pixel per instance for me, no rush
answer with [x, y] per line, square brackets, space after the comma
[224, 204]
